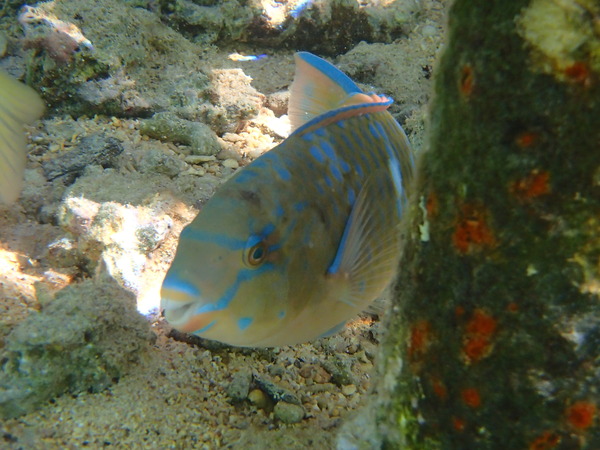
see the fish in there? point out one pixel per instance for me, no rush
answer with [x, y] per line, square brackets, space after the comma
[301, 240]
[19, 105]
[243, 58]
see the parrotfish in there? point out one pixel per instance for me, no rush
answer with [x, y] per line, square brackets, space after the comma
[306, 236]
[19, 105]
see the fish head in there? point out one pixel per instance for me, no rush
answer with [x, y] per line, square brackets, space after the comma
[227, 276]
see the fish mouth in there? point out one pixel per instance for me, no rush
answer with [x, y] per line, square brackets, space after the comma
[176, 311]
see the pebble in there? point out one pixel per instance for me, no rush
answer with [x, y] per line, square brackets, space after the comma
[349, 389]
[192, 171]
[340, 370]
[429, 31]
[231, 163]
[239, 387]
[258, 398]
[288, 412]
[198, 159]
[315, 373]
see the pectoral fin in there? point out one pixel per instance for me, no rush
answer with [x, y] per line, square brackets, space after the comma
[369, 249]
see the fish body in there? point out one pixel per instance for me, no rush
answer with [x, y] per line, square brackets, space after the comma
[19, 105]
[306, 236]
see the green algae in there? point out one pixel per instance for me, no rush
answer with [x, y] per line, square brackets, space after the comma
[494, 342]
[84, 339]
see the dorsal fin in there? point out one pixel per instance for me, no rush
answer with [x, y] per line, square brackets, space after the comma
[320, 92]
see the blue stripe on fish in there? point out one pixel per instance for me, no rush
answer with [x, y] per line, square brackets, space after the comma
[335, 265]
[242, 276]
[174, 282]
[336, 173]
[316, 153]
[279, 211]
[344, 166]
[397, 179]
[244, 322]
[206, 328]
[329, 151]
[299, 206]
[333, 330]
[245, 175]
[374, 131]
[351, 196]
[262, 162]
[327, 69]
[222, 240]
[308, 137]
[283, 173]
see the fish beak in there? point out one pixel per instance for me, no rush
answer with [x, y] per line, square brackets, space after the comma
[178, 307]
[185, 312]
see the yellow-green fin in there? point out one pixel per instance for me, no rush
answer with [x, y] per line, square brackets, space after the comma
[321, 94]
[19, 105]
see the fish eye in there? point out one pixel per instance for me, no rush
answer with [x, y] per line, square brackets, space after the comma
[256, 254]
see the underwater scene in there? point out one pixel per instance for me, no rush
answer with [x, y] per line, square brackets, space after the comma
[139, 112]
[329, 224]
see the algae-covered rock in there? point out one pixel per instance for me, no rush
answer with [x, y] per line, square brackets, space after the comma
[168, 127]
[239, 387]
[87, 337]
[493, 339]
[288, 412]
[97, 149]
[136, 64]
[233, 100]
[208, 22]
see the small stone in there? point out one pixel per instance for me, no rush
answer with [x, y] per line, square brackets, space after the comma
[231, 163]
[155, 160]
[63, 253]
[278, 102]
[315, 373]
[275, 370]
[195, 172]
[288, 412]
[429, 31]
[97, 149]
[340, 370]
[258, 398]
[166, 126]
[199, 159]
[239, 387]
[348, 390]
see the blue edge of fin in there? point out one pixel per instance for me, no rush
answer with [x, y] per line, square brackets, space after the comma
[331, 71]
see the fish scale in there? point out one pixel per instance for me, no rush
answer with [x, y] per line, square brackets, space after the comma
[305, 237]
